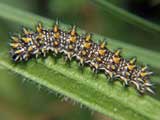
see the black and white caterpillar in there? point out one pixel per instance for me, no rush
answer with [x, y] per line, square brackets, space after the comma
[32, 44]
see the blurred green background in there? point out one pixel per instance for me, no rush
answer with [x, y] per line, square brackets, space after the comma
[21, 99]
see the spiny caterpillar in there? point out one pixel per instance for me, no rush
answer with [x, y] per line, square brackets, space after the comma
[84, 50]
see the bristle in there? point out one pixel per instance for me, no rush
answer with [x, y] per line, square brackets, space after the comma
[88, 37]
[15, 39]
[73, 31]
[39, 28]
[25, 31]
[103, 45]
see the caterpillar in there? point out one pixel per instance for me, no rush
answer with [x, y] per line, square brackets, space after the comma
[32, 44]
